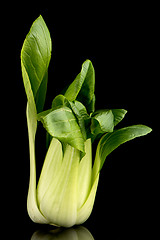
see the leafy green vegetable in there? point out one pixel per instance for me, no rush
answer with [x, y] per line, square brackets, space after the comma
[61, 123]
[102, 122]
[119, 114]
[110, 141]
[35, 57]
[67, 186]
[82, 88]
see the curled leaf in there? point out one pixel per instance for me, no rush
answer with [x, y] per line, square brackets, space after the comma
[61, 124]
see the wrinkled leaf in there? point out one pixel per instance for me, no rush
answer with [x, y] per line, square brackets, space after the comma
[78, 110]
[82, 117]
[61, 124]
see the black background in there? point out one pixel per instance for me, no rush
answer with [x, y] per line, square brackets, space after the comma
[121, 40]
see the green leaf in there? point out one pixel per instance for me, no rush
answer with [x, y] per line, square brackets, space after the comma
[35, 58]
[82, 88]
[111, 141]
[78, 110]
[60, 101]
[119, 114]
[61, 124]
[102, 121]
[82, 116]
[41, 93]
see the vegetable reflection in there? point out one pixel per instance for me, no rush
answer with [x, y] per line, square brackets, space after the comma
[77, 233]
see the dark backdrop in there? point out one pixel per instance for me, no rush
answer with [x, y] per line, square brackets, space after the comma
[122, 43]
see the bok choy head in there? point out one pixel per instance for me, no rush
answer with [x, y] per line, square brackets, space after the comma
[66, 190]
